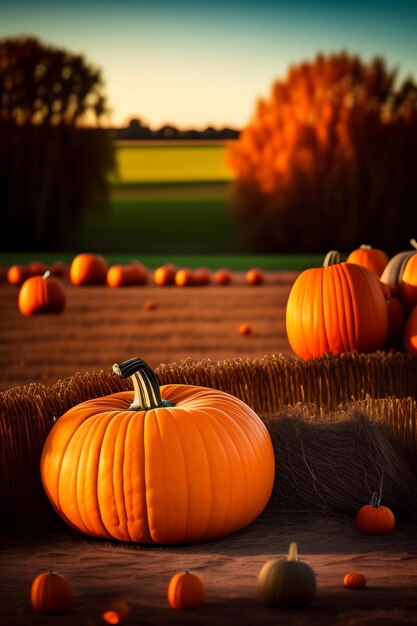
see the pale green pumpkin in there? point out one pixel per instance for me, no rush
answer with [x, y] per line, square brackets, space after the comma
[287, 583]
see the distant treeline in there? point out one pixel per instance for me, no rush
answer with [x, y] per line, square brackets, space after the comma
[136, 130]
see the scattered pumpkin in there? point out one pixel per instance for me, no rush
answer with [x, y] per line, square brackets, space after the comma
[17, 274]
[37, 268]
[410, 334]
[59, 268]
[184, 278]
[245, 329]
[41, 294]
[222, 277]
[187, 463]
[374, 519]
[124, 275]
[354, 580]
[88, 269]
[186, 591]
[51, 593]
[201, 277]
[339, 307]
[165, 275]
[150, 305]
[287, 583]
[115, 610]
[254, 277]
[394, 272]
[372, 258]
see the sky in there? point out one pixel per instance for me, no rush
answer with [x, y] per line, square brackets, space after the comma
[201, 63]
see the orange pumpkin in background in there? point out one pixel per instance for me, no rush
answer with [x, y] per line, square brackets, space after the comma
[201, 277]
[184, 278]
[187, 463]
[374, 519]
[59, 268]
[222, 277]
[17, 274]
[41, 294]
[165, 275]
[186, 591]
[410, 334]
[372, 258]
[339, 307]
[124, 275]
[51, 594]
[354, 580]
[88, 269]
[37, 268]
[254, 277]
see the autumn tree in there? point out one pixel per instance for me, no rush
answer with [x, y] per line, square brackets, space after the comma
[54, 157]
[329, 159]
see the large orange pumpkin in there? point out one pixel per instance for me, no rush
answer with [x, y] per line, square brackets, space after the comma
[88, 269]
[169, 464]
[336, 308]
[41, 294]
[372, 258]
[51, 593]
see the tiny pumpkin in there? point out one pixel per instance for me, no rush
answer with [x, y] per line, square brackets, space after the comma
[372, 258]
[150, 305]
[222, 277]
[186, 591]
[165, 275]
[88, 269]
[184, 278]
[127, 275]
[245, 329]
[254, 277]
[201, 277]
[37, 268]
[354, 580]
[17, 274]
[41, 294]
[51, 593]
[114, 610]
[287, 583]
[374, 519]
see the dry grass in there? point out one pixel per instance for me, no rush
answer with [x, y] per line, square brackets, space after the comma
[351, 420]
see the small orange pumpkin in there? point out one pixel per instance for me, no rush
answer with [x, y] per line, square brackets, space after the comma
[115, 610]
[354, 580]
[184, 278]
[186, 591]
[372, 258]
[245, 329]
[51, 593]
[124, 275]
[165, 275]
[254, 277]
[17, 274]
[88, 269]
[201, 277]
[374, 519]
[410, 334]
[41, 294]
[339, 307]
[150, 305]
[222, 277]
[37, 268]
[59, 268]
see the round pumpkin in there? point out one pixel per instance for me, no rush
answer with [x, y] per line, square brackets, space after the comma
[124, 275]
[184, 278]
[201, 277]
[165, 275]
[88, 269]
[37, 268]
[287, 583]
[51, 593]
[354, 580]
[393, 275]
[170, 464]
[41, 294]
[186, 591]
[410, 334]
[339, 307]
[374, 519]
[150, 305]
[222, 277]
[17, 274]
[254, 277]
[372, 258]
[114, 610]
[245, 329]
[59, 268]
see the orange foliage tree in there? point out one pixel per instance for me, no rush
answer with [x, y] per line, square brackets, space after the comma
[329, 159]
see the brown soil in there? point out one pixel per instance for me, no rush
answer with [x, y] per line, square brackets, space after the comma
[101, 326]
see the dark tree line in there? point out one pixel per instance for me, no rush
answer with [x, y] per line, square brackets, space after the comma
[54, 157]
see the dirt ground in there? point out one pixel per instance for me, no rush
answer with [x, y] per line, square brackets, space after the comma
[101, 326]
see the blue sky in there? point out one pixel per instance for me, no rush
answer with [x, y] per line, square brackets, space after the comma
[195, 64]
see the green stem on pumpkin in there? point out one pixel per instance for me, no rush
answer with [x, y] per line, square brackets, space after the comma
[331, 258]
[293, 552]
[145, 384]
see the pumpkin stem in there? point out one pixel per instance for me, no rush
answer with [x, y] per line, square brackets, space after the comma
[331, 258]
[46, 275]
[145, 384]
[364, 246]
[413, 243]
[187, 571]
[375, 500]
[293, 552]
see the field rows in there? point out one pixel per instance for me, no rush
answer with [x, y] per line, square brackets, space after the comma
[101, 326]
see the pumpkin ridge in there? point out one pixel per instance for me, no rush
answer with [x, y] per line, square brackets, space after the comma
[341, 311]
[351, 309]
[302, 307]
[118, 474]
[155, 427]
[143, 508]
